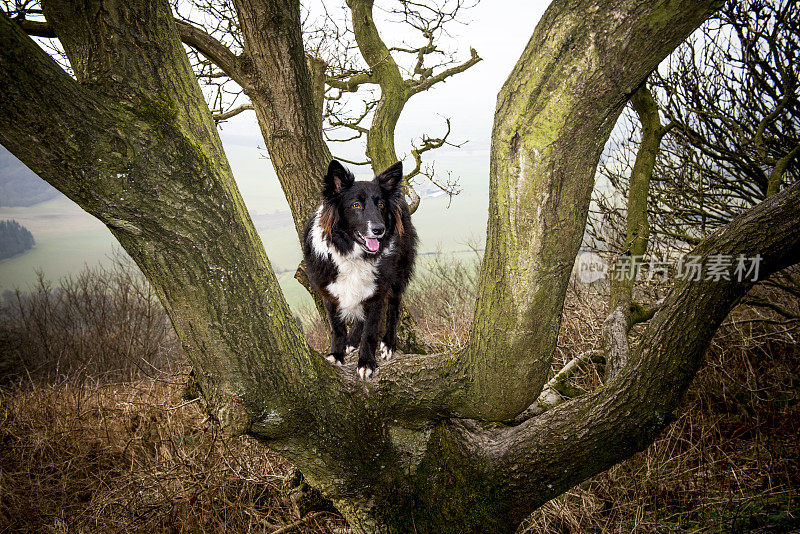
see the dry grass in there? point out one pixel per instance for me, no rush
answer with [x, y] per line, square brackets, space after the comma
[94, 434]
[731, 461]
[441, 298]
[123, 452]
[87, 456]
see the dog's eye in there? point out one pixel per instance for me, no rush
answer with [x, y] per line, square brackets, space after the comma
[380, 204]
[356, 205]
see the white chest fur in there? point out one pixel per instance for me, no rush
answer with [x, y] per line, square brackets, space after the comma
[354, 285]
[355, 282]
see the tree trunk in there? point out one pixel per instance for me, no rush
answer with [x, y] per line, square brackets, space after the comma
[421, 447]
[624, 311]
[280, 87]
[553, 116]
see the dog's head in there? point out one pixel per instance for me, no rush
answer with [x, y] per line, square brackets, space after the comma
[369, 212]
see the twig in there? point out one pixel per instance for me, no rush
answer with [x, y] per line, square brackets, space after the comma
[553, 392]
[162, 408]
[297, 524]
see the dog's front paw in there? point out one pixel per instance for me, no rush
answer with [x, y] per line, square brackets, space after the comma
[335, 358]
[365, 369]
[386, 352]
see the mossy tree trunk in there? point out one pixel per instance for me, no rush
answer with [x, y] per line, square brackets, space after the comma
[281, 88]
[423, 445]
[624, 311]
[384, 70]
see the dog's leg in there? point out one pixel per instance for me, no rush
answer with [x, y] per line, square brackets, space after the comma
[369, 338]
[354, 337]
[338, 334]
[389, 343]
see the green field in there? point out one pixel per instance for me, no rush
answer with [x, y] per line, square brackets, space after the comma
[67, 239]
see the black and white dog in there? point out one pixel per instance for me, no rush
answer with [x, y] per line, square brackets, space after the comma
[359, 249]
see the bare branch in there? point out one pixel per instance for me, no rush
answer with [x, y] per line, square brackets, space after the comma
[556, 390]
[220, 54]
[351, 83]
[218, 117]
[427, 83]
[352, 162]
[428, 143]
[36, 28]
[190, 35]
[776, 176]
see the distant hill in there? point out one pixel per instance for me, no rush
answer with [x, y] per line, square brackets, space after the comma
[19, 186]
[269, 220]
[14, 239]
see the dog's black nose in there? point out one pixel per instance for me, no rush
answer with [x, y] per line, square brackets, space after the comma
[378, 231]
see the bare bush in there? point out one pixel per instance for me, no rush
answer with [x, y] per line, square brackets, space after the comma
[442, 300]
[101, 322]
[730, 461]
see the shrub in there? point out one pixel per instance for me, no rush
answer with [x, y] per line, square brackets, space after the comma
[101, 322]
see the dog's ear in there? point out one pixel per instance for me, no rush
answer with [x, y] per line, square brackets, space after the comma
[390, 178]
[337, 179]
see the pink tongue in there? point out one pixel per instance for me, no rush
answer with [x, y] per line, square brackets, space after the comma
[372, 244]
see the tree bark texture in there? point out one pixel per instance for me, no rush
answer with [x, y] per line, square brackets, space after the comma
[281, 88]
[554, 114]
[427, 445]
[637, 228]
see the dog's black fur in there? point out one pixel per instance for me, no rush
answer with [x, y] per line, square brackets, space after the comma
[354, 281]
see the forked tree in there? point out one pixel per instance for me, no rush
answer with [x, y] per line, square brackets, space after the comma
[430, 444]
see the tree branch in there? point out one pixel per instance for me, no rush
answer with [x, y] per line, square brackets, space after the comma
[637, 234]
[214, 50]
[351, 83]
[428, 143]
[218, 117]
[589, 434]
[191, 35]
[776, 175]
[427, 83]
[353, 162]
[556, 391]
[774, 306]
[40, 101]
[637, 227]
[287, 97]
[36, 28]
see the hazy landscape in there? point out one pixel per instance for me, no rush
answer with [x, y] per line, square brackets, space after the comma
[68, 238]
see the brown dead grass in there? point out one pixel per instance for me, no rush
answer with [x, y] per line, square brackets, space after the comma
[730, 462]
[86, 457]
